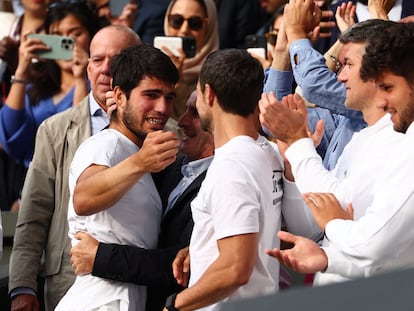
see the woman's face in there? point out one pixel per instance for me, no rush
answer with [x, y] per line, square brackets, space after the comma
[182, 11]
[70, 26]
[39, 7]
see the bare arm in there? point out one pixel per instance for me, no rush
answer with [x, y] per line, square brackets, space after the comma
[228, 272]
[100, 187]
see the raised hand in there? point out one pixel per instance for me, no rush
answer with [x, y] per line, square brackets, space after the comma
[304, 257]
[345, 16]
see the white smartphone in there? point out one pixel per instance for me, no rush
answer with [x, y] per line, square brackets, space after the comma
[117, 6]
[60, 47]
[257, 51]
[173, 43]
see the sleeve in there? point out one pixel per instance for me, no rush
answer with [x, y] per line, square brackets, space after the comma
[17, 132]
[279, 82]
[35, 215]
[310, 174]
[133, 264]
[319, 84]
[297, 215]
[383, 237]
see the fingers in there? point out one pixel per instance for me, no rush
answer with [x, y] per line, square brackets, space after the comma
[318, 134]
[287, 237]
[181, 266]
[350, 211]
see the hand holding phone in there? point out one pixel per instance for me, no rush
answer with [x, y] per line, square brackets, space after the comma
[117, 6]
[60, 47]
[173, 43]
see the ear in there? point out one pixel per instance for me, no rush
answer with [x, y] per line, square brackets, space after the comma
[209, 95]
[119, 96]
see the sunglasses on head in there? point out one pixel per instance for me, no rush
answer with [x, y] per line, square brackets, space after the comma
[177, 20]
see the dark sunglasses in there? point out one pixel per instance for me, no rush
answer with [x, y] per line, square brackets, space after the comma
[271, 37]
[177, 20]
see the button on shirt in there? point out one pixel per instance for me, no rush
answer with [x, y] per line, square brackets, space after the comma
[99, 119]
[190, 172]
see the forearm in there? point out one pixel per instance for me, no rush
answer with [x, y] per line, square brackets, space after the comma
[137, 265]
[332, 56]
[311, 175]
[16, 96]
[215, 285]
[232, 269]
[81, 90]
[102, 189]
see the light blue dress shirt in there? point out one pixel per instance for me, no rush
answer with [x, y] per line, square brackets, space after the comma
[190, 172]
[320, 86]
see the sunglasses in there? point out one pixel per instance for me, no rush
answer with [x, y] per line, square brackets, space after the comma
[271, 37]
[177, 20]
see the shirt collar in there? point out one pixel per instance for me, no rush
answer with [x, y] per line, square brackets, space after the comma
[196, 167]
[94, 108]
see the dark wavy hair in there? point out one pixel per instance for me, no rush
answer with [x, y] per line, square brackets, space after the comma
[46, 76]
[390, 50]
[135, 63]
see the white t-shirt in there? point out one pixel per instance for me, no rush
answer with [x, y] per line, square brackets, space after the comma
[242, 193]
[134, 220]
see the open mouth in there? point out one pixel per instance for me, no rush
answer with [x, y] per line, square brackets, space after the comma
[156, 121]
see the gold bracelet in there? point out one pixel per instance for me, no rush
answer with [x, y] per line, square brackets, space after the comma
[337, 63]
[15, 80]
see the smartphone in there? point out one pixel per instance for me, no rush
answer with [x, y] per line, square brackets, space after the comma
[257, 51]
[117, 6]
[60, 47]
[255, 41]
[173, 43]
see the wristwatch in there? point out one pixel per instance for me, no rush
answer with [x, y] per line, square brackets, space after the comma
[170, 302]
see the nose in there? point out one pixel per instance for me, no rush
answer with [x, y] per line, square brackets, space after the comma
[106, 66]
[184, 29]
[164, 106]
[380, 99]
[342, 74]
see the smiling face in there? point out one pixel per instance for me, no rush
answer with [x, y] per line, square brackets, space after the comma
[187, 9]
[196, 142]
[396, 96]
[359, 94]
[148, 108]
